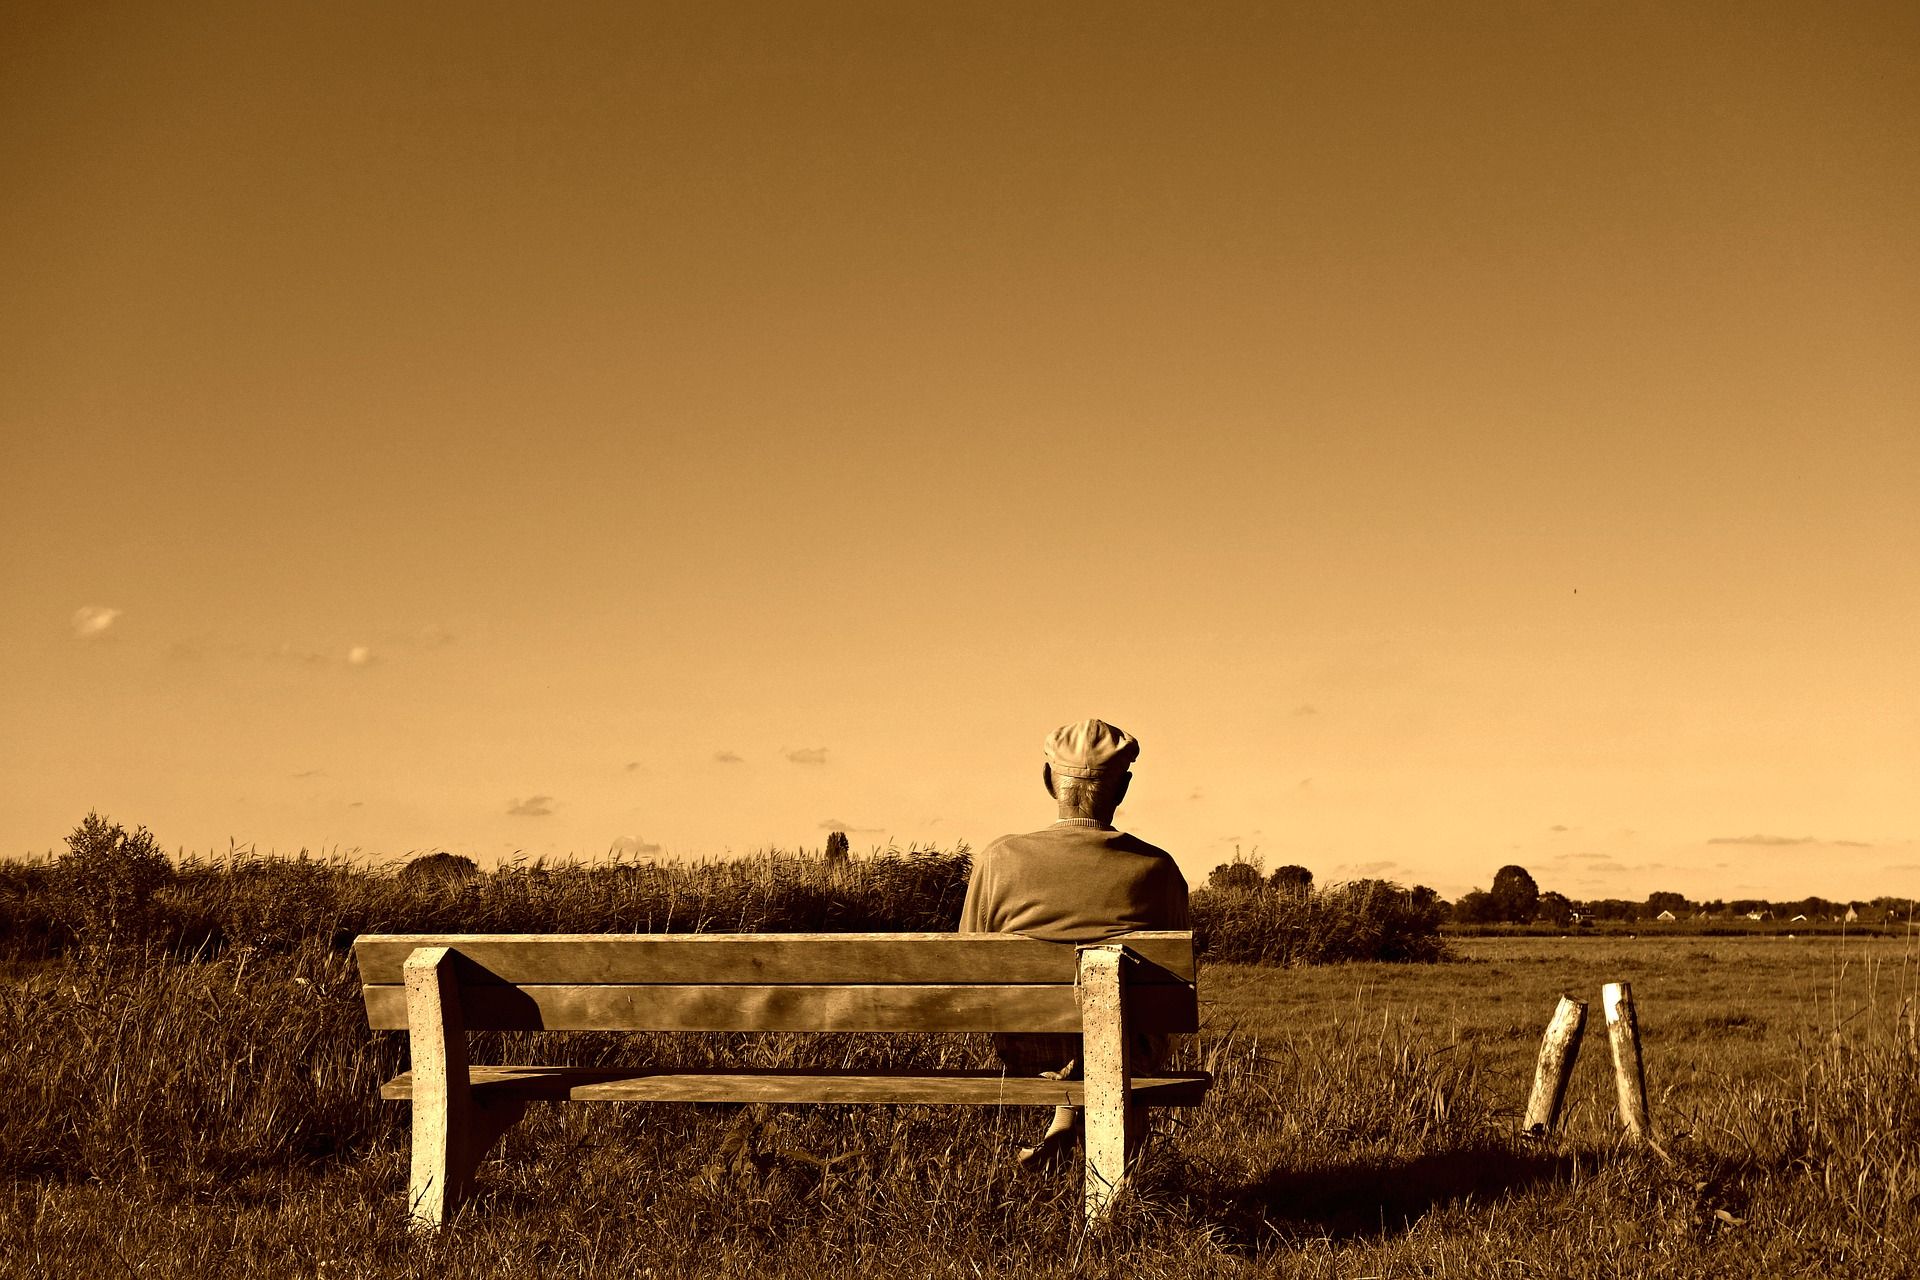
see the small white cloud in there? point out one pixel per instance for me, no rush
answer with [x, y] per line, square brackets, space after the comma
[841, 824]
[727, 757]
[531, 807]
[633, 844]
[1306, 709]
[808, 755]
[1556, 827]
[359, 656]
[632, 765]
[91, 621]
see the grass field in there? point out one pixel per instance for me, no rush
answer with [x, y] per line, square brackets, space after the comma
[218, 1119]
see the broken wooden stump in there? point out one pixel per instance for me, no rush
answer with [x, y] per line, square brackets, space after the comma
[1559, 1048]
[1629, 1071]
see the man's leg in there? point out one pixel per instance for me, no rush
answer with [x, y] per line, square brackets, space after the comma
[1051, 1056]
[1054, 1145]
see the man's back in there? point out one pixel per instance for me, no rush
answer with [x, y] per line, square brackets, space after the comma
[1075, 881]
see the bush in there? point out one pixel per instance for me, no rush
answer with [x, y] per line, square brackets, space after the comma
[102, 888]
[437, 869]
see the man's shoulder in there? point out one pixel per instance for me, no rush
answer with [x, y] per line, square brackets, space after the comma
[1059, 834]
[1134, 844]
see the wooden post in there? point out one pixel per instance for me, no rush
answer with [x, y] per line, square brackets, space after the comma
[1559, 1048]
[1629, 1072]
[1109, 1120]
[443, 1112]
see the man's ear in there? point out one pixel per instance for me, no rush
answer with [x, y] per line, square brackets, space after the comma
[1120, 791]
[1046, 779]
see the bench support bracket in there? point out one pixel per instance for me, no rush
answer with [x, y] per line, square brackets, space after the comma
[1112, 1126]
[452, 1128]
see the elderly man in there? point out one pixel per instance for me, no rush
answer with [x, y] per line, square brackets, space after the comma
[1078, 880]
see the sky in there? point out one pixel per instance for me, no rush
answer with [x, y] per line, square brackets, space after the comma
[1446, 436]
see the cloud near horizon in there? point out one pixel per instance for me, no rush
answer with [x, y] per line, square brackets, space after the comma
[728, 757]
[531, 807]
[632, 844]
[1787, 840]
[808, 755]
[92, 621]
[841, 824]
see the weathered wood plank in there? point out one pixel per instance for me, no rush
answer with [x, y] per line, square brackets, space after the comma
[766, 959]
[790, 1007]
[682, 1084]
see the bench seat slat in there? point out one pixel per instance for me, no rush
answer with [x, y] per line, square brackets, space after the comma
[681, 1084]
[762, 958]
[787, 1007]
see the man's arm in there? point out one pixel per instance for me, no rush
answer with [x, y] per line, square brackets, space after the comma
[1177, 914]
[974, 911]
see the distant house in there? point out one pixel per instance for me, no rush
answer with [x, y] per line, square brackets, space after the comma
[1665, 915]
[1851, 916]
[1757, 915]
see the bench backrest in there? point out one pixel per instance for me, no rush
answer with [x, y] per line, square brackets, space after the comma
[778, 982]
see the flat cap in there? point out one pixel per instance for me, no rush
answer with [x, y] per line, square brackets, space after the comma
[1090, 749]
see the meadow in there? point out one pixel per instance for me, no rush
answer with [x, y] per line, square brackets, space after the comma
[208, 1107]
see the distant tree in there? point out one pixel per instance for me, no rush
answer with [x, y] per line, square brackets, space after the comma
[438, 869]
[1663, 901]
[1475, 907]
[1234, 875]
[1515, 896]
[1291, 879]
[1555, 909]
[837, 848]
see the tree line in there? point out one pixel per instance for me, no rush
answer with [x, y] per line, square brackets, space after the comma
[1515, 897]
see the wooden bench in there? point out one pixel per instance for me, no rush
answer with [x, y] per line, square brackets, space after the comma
[439, 987]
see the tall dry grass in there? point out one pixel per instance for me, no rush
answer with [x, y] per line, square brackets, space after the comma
[1358, 920]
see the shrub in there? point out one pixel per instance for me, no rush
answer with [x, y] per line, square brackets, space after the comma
[102, 888]
[438, 868]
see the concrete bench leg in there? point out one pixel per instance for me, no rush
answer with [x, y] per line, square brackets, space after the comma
[1111, 1123]
[451, 1128]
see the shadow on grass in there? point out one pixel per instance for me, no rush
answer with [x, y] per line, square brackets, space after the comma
[1376, 1197]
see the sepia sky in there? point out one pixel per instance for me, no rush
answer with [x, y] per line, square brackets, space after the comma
[1445, 435]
